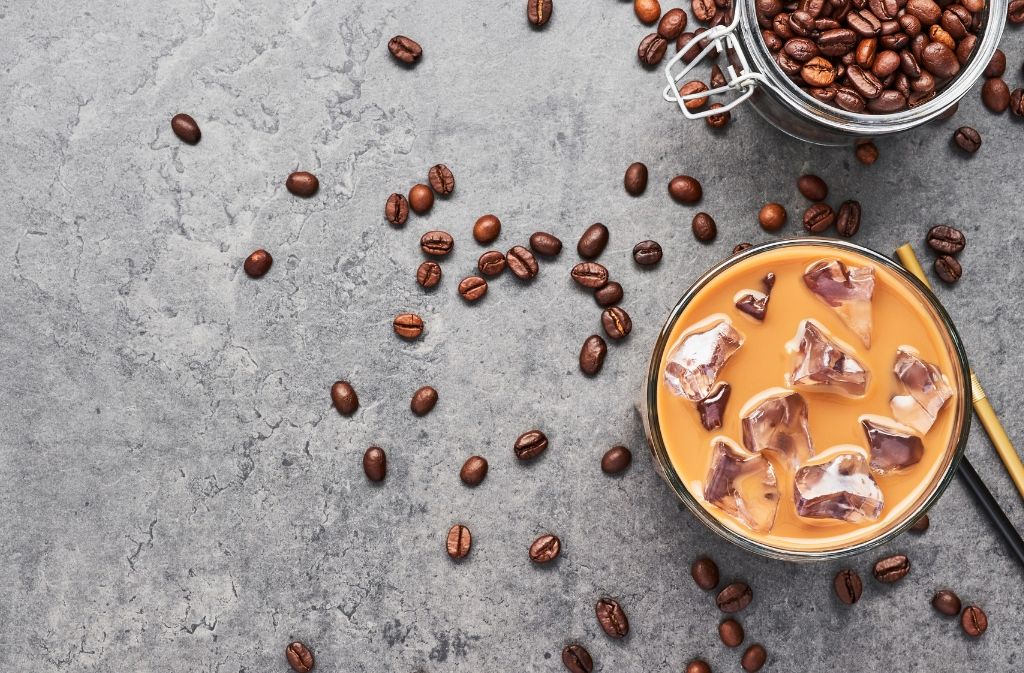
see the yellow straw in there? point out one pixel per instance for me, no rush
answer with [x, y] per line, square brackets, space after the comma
[987, 416]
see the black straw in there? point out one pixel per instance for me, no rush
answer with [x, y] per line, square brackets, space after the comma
[995, 513]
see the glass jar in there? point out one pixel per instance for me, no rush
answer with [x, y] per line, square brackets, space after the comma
[754, 75]
[960, 382]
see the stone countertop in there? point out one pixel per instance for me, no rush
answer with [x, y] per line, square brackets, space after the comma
[181, 497]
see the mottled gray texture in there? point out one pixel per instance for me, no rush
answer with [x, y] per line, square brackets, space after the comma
[179, 496]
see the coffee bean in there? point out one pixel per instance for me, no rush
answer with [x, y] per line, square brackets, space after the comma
[734, 597]
[257, 263]
[459, 542]
[694, 86]
[423, 401]
[1017, 102]
[437, 243]
[405, 49]
[740, 247]
[967, 139]
[672, 24]
[866, 153]
[186, 128]
[921, 525]
[472, 288]
[635, 180]
[720, 120]
[491, 263]
[754, 658]
[818, 217]
[818, 72]
[441, 179]
[995, 94]
[891, 569]
[704, 227]
[974, 621]
[421, 199]
[772, 216]
[428, 274]
[575, 657]
[609, 295]
[652, 50]
[705, 573]
[299, 657]
[408, 325]
[948, 269]
[545, 549]
[647, 253]
[530, 445]
[375, 464]
[611, 618]
[1015, 11]
[689, 44]
[946, 602]
[946, 240]
[939, 60]
[522, 263]
[473, 470]
[731, 633]
[812, 187]
[344, 398]
[996, 65]
[848, 219]
[703, 10]
[647, 11]
[593, 241]
[616, 322]
[592, 355]
[545, 244]
[301, 183]
[486, 229]
[616, 459]
[538, 11]
[698, 666]
[590, 274]
[848, 586]
[396, 210]
[685, 189]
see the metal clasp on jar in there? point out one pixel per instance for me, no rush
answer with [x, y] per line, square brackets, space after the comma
[723, 39]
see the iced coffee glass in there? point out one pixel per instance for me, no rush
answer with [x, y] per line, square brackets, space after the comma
[807, 399]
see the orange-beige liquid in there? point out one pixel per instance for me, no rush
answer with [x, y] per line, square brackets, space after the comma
[900, 317]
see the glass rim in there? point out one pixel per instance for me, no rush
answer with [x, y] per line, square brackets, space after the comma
[667, 470]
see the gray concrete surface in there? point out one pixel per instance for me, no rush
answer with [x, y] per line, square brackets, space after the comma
[179, 496]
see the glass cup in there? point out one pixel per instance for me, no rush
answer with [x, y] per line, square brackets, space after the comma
[960, 382]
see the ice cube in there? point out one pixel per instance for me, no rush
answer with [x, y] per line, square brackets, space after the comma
[825, 364]
[776, 420]
[892, 445]
[695, 362]
[926, 387]
[847, 289]
[742, 484]
[712, 407]
[754, 303]
[839, 487]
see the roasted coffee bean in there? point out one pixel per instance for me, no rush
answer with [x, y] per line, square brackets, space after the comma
[685, 189]
[473, 471]
[754, 658]
[771, 40]
[375, 464]
[717, 78]
[441, 179]
[734, 597]
[947, 603]
[818, 72]
[486, 229]
[720, 120]
[849, 100]
[694, 86]
[698, 666]
[408, 325]
[672, 24]
[818, 217]
[946, 240]
[965, 49]
[299, 657]
[612, 618]
[1017, 102]
[576, 659]
[802, 49]
[789, 65]
[772, 216]
[522, 263]
[705, 573]
[652, 49]
[836, 42]
[956, 21]
[616, 459]
[186, 128]
[848, 219]
[396, 210]
[530, 445]
[590, 274]
[848, 586]
[948, 269]
[886, 63]
[592, 355]
[996, 65]
[740, 247]
[647, 11]
[428, 275]
[405, 49]
[545, 549]
[995, 94]
[421, 199]
[812, 187]
[302, 183]
[437, 243]
[974, 621]
[423, 401]
[472, 288]
[939, 60]
[689, 45]
[546, 244]
[1015, 11]
[731, 632]
[703, 10]
[866, 153]
[459, 542]
[635, 180]
[593, 241]
[616, 322]
[926, 10]
[344, 398]
[257, 263]
[967, 139]
[491, 263]
[801, 23]
[704, 227]
[647, 253]
[538, 12]
[938, 34]
[892, 568]
[921, 525]
[609, 295]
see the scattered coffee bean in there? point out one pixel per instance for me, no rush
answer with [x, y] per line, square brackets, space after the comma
[866, 152]
[694, 86]
[672, 24]
[616, 322]
[974, 621]
[590, 274]
[375, 464]
[967, 139]
[616, 459]
[576, 659]
[186, 128]
[717, 77]
[948, 269]
[545, 549]
[921, 525]
[995, 94]
[946, 602]
[592, 355]
[408, 325]
[647, 253]
[405, 49]
[647, 11]
[996, 65]
[486, 229]
[946, 240]
[704, 227]
[1015, 11]
[848, 219]
[428, 274]
[593, 241]
[299, 657]
[301, 183]
[421, 199]
[652, 50]
[441, 179]
[698, 666]
[703, 10]
[731, 633]
[818, 217]
[1017, 102]
[635, 180]
[892, 568]
[530, 445]
[258, 263]
[705, 573]
[609, 295]
[472, 288]
[690, 46]
[812, 187]
[423, 401]
[522, 263]
[685, 189]
[772, 216]
[720, 120]
[473, 470]
[754, 658]
[396, 210]
[545, 244]
[459, 542]
[740, 247]
[611, 618]
[734, 597]
[848, 586]
[538, 12]
[344, 398]
[437, 243]
[491, 263]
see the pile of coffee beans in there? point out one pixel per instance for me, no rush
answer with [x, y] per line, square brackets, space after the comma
[947, 242]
